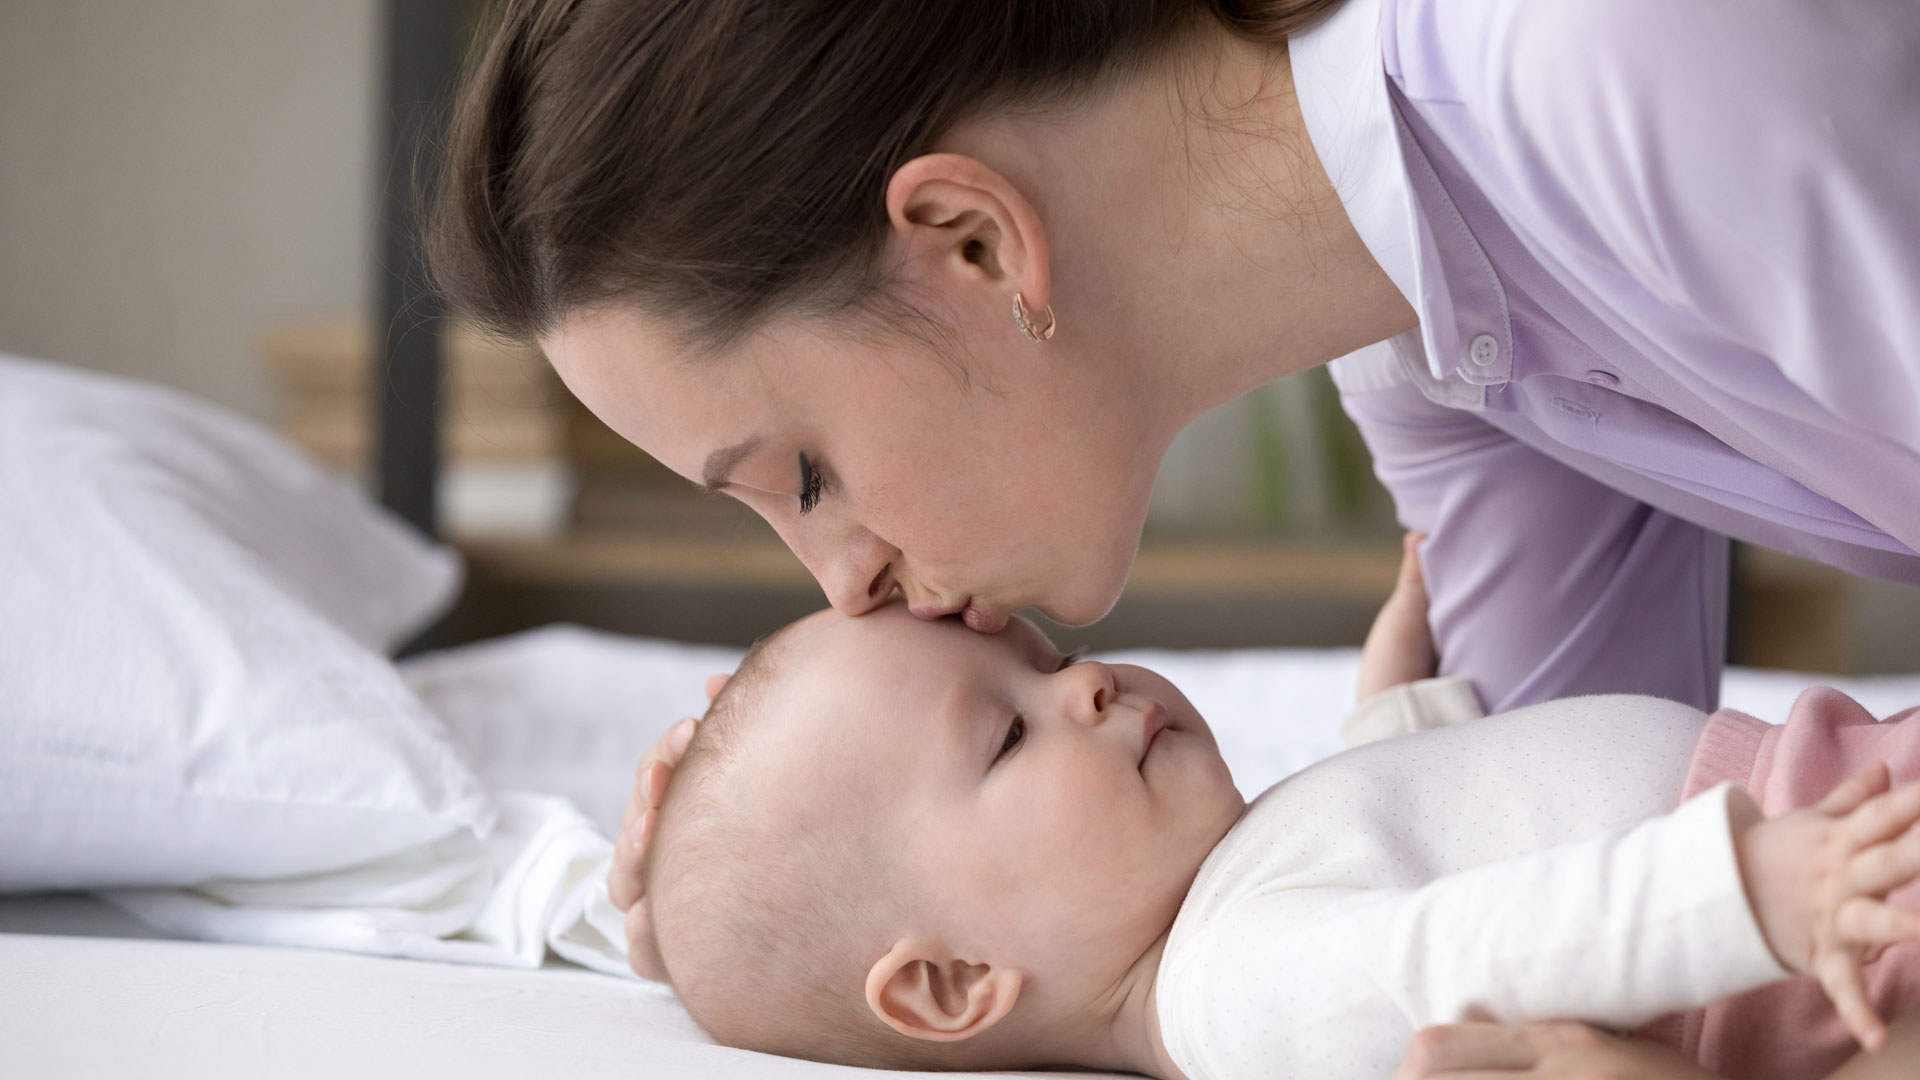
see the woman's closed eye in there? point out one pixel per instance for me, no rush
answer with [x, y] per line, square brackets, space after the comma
[812, 484]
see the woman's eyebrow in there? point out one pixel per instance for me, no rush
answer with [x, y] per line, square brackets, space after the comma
[713, 476]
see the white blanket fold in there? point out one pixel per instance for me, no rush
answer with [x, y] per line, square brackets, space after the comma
[536, 883]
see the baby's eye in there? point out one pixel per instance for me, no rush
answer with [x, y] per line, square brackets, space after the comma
[1072, 658]
[1015, 732]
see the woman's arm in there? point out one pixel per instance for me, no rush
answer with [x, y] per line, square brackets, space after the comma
[1543, 582]
[1557, 1051]
[1566, 1051]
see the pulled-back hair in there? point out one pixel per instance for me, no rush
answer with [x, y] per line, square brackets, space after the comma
[717, 161]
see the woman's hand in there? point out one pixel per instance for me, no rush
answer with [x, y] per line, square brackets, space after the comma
[624, 886]
[1561, 1051]
[1399, 648]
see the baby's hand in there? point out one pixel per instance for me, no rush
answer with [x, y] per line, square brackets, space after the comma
[1399, 648]
[1818, 879]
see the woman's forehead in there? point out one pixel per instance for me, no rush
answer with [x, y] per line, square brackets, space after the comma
[636, 377]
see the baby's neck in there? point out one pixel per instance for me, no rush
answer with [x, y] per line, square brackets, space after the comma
[1123, 1030]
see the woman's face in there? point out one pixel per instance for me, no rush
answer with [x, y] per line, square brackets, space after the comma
[988, 475]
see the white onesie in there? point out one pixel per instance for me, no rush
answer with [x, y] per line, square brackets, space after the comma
[1528, 866]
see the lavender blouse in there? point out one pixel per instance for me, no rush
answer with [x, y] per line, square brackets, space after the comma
[1666, 258]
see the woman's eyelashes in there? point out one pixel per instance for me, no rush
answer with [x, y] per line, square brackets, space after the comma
[812, 484]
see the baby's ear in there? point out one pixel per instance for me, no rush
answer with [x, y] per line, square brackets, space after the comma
[922, 990]
[714, 683]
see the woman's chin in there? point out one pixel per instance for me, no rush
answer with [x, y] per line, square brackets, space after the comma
[1078, 612]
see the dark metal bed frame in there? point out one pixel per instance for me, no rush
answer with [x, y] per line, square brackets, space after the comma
[423, 40]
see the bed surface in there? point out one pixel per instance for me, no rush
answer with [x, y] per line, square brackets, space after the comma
[90, 992]
[88, 1006]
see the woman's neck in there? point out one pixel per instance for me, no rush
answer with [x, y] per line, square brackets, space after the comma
[1192, 226]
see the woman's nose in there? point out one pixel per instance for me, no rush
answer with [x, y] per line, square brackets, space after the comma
[857, 573]
[1089, 689]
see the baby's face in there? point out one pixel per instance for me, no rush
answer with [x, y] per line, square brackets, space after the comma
[1049, 815]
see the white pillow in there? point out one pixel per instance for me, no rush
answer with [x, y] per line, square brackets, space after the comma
[192, 627]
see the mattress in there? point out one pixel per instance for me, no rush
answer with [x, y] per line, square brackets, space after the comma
[90, 992]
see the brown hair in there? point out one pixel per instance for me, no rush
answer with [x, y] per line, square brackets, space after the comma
[718, 160]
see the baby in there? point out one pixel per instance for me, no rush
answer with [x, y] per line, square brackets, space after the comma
[904, 844]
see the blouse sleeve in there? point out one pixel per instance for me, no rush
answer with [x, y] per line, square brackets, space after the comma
[1543, 582]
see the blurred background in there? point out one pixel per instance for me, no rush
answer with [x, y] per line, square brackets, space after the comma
[204, 193]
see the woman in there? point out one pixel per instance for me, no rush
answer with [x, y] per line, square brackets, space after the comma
[1600, 282]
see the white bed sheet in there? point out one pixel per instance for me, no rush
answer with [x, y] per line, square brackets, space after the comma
[87, 992]
[74, 1007]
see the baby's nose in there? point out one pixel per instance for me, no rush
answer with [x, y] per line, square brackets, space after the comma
[1090, 690]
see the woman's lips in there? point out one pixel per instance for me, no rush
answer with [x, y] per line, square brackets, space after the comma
[981, 620]
[976, 618]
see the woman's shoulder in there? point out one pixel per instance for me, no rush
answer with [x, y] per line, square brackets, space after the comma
[1574, 69]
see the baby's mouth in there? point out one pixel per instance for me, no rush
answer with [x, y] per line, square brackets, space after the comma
[1154, 721]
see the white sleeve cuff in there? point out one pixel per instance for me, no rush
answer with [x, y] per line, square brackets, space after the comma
[1411, 707]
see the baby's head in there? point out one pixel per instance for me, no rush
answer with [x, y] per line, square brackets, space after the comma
[901, 843]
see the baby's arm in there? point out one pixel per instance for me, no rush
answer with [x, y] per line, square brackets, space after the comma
[1616, 929]
[1679, 911]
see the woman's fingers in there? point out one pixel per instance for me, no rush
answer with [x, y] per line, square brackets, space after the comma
[651, 779]
[678, 736]
[643, 946]
[624, 886]
[652, 787]
[1452, 1049]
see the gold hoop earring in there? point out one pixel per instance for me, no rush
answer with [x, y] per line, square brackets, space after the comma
[1034, 333]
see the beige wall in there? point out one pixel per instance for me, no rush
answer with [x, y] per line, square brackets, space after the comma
[174, 175]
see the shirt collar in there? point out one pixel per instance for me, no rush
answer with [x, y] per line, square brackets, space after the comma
[1340, 78]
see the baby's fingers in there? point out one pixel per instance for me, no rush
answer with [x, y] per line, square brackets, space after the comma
[1847, 798]
[1839, 973]
[1884, 867]
[1884, 816]
[1866, 922]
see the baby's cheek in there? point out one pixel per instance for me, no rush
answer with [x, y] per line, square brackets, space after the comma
[1086, 822]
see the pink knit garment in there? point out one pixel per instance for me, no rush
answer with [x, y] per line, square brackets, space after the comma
[1789, 1031]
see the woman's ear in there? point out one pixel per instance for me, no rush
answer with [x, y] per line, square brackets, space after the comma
[922, 990]
[714, 685]
[959, 215]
